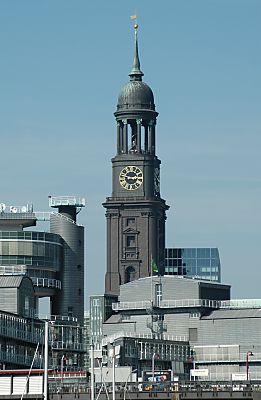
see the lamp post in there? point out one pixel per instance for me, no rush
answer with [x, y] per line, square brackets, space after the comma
[46, 335]
[92, 370]
[155, 355]
[113, 372]
[126, 383]
[248, 353]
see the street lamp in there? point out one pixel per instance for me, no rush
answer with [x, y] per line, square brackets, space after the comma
[126, 383]
[46, 336]
[248, 353]
[155, 355]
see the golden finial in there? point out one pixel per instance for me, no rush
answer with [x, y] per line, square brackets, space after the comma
[134, 18]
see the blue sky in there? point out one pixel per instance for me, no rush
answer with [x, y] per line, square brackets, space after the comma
[62, 66]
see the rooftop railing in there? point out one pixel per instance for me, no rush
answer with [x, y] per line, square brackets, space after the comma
[227, 358]
[190, 303]
[57, 201]
[122, 334]
[182, 303]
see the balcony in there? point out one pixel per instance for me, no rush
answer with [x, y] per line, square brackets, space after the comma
[47, 283]
[131, 305]
[64, 345]
[20, 359]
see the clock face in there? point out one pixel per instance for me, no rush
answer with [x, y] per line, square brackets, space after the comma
[131, 177]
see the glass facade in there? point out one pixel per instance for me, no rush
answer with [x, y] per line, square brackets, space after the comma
[31, 248]
[201, 263]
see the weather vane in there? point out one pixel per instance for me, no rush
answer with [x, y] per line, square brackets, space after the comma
[135, 20]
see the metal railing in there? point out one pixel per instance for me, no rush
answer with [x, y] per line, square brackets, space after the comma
[183, 303]
[64, 345]
[122, 334]
[63, 318]
[42, 215]
[57, 201]
[164, 389]
[190, 303]
[13, 269]
[46, 216]
[241, 303]
[132, 305]
[47, 283]
[215, 358]
[20, 359]
[21, 334]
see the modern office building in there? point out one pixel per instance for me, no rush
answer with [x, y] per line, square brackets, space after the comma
[100, 311]
[199, 263]
[50, 259]
[53, 264]
[194, 318]
[135, 212]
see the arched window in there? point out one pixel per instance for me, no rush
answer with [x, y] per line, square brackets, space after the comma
[130, 274]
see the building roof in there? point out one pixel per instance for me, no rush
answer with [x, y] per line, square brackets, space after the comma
[136, 95]
[11, 281]
[234, 314]
[114, 319]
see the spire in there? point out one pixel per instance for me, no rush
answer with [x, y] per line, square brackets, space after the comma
[136, 74]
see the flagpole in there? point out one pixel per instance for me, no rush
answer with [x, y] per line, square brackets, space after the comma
[151, 282]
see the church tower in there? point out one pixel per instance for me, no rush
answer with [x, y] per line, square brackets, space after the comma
[135, 212]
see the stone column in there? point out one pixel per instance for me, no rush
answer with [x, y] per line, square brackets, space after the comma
[125, 136]
[138, 135]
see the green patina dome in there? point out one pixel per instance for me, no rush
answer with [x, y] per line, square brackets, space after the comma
[136, 95]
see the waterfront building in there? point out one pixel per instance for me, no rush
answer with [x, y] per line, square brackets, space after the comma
[219, 334]
[18, 341]
[41, 264]
[143, 353]
[199, 263]
[50, 259]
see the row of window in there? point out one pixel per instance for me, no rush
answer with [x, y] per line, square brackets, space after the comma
[31, 235]
[192, 253]
[50, 262]
[30, 249]
[182, 262]
[191, 271]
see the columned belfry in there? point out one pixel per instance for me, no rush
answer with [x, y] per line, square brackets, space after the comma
[135, 212]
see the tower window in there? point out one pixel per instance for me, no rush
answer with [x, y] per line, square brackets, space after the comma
[131, 241]
[130, 221]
